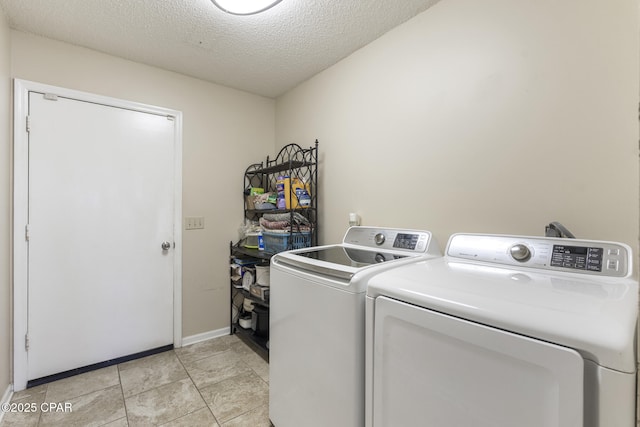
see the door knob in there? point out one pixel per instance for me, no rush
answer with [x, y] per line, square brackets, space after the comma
[166, 246]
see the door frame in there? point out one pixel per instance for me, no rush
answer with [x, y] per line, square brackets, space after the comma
[21, 210]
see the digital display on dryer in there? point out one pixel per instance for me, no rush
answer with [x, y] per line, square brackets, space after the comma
[577, 257]
[405, 241]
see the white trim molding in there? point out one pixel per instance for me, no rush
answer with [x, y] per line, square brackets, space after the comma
[6, 398]
[205, 336]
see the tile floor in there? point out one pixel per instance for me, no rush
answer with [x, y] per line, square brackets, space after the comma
[220, 382]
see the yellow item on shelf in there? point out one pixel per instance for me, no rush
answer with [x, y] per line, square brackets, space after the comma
[289, 186]
[296, 184]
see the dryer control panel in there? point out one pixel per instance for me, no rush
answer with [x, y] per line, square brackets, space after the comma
[570, 255]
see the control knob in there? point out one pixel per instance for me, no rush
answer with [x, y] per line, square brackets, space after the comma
[379, 239]
[520, 252]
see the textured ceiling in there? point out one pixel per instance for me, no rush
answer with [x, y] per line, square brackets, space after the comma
[266, 54]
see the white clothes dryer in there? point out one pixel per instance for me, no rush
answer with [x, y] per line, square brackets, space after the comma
[505, 331]
[316, 333]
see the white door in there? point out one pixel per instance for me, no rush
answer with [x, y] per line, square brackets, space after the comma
[431, 369]
[100, 206]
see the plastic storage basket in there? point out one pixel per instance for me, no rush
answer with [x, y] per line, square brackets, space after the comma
[275, 242]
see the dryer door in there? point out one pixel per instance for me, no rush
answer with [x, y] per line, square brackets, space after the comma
[436, 370]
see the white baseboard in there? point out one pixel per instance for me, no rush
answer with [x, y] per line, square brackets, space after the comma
[6, 398]
[205, 336]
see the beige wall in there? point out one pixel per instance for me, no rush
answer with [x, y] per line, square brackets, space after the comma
[494, 117]
[5, 209]
[223, 130]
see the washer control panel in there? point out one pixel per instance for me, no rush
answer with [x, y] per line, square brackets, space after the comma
[570, 255]
[391, 239]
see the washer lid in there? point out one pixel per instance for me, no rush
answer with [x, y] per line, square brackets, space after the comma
[337, 261]
[351, 257]
[592, 314]
[364, 250]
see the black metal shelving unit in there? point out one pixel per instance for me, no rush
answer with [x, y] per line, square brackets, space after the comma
[296, 163]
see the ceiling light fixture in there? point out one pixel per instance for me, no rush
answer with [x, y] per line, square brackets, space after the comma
[245, 7]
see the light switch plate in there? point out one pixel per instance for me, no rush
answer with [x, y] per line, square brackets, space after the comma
[193, 222]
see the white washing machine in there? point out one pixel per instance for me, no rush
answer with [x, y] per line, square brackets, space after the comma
[505, 331]
[317, 323]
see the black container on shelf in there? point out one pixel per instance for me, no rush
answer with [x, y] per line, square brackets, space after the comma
[260, 321]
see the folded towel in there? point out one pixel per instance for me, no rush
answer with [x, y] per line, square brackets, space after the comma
[282, 222]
